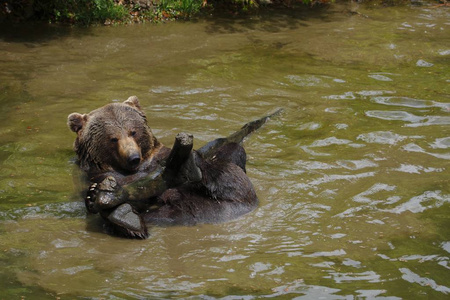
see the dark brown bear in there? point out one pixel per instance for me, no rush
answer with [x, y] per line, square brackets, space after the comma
[136, 180]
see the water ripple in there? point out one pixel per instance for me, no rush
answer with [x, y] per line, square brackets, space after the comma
[339, 252]
[392, 115]
[378, 187]
[356, 164]
[432, 120]
[407, 102]
[333, 177]
[441, 143]
[380, 77]
[367, 203]
[446, 246]
[381, 137]
[330, 141]
[423, 63]
[411, 147]
[422, 202]
[354, 95]
[369, 276]
[306, 80]
[345, 96]
[412, 277]
[414, 169]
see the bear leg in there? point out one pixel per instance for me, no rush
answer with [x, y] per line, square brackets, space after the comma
[127, 222]
[233, 153]
[182, 163]
[190, 171]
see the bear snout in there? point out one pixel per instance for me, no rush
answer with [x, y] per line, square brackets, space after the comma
[130, 153]
[134, 160]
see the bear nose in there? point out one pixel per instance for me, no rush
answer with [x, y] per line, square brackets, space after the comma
[134, 159]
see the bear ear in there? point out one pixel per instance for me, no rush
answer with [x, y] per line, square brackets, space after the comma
[76, 121]
[134, 102]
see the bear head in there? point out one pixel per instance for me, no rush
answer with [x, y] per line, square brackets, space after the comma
[115, 137]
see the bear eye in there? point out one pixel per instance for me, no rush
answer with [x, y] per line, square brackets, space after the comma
[114, 140]
[133, 133]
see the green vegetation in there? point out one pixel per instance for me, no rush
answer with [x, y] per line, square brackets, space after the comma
[182, 8]
[86, 12]
[83, 12]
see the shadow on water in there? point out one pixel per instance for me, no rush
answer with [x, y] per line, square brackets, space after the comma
[268, 20]
[38, 33]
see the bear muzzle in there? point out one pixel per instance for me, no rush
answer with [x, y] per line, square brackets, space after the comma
[130, 154]
[134, 160]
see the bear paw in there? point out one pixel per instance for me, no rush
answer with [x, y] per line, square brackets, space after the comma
[104, 195]
[90, 198]
[128, 223]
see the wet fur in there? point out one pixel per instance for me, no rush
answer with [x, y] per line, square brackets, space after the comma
[224, 193]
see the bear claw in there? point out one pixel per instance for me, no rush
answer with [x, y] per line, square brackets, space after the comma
[90, 198]
[104, 195]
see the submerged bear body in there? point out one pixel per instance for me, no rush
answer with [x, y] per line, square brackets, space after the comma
[136, 180]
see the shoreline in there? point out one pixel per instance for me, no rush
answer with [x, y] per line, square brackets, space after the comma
[126, 12]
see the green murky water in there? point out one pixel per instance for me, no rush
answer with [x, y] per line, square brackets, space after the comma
[353, 178]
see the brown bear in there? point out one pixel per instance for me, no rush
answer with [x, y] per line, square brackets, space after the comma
[136, 180]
